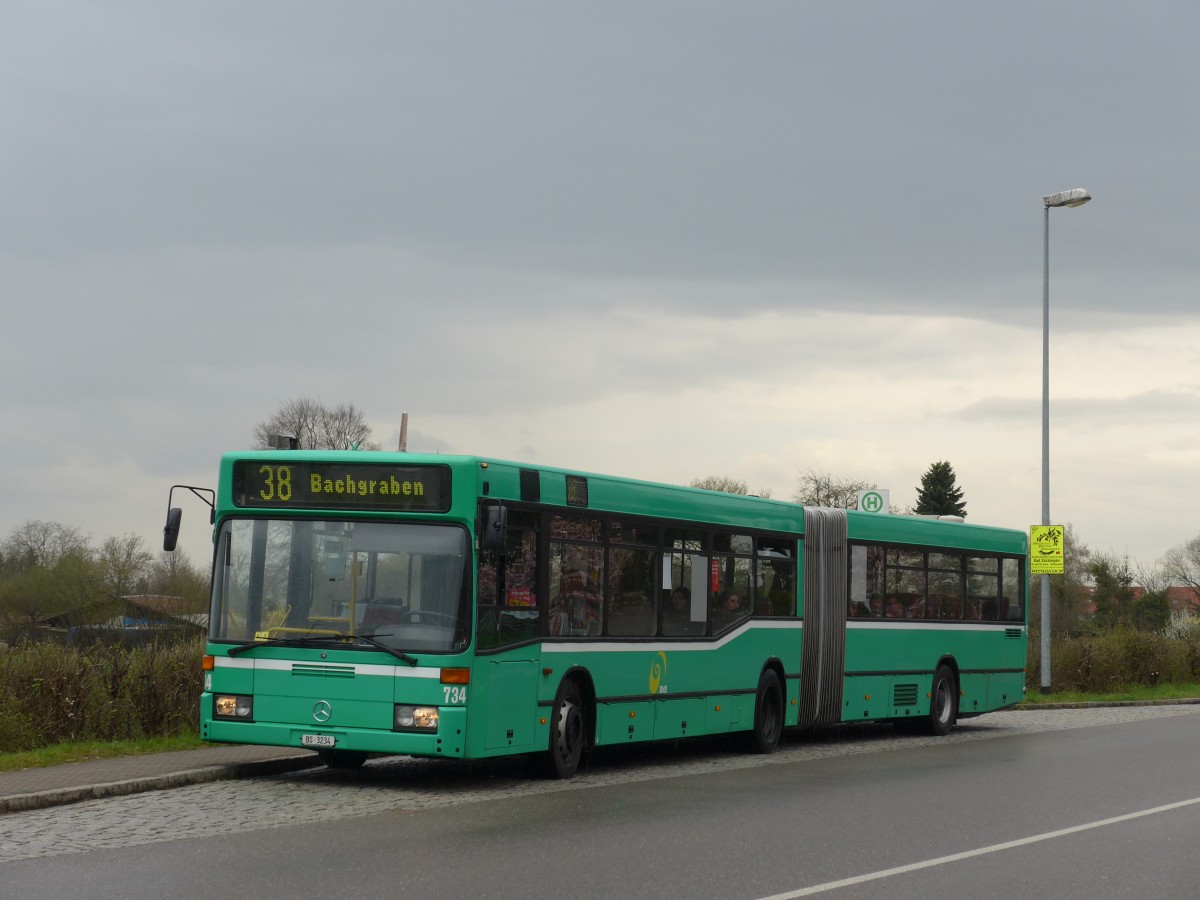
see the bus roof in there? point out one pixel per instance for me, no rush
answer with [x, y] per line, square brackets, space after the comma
[634, 497]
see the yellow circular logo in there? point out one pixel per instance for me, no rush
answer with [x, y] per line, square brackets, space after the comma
[658, 668]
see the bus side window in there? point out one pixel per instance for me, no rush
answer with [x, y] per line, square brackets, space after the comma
[776, 581]
[575, 598]
[633, 573]
[508, 611]
[685, 584]
[1012, 589]
[858, 582]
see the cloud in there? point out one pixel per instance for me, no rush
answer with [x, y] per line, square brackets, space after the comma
[624, 238]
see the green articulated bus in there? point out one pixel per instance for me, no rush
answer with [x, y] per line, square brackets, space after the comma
[455, 606]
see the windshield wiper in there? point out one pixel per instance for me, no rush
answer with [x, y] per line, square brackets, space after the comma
[326, 638]
[399, 654]
[303, 639]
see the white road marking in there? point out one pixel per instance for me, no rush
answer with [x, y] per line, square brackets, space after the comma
[981, 851]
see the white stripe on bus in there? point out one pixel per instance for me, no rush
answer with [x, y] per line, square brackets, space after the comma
[932, 625]
[610, 646]
[286, 665]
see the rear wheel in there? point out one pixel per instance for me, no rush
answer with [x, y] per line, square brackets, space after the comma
[943, 703]
[342, 759]
[768, 713]
[568, 731]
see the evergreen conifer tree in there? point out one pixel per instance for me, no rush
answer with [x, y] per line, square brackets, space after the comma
[938, 495]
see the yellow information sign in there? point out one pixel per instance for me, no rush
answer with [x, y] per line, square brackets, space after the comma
[1046, 545]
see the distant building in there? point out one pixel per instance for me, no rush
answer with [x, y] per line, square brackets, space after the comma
[1181, 599]
[136, 618]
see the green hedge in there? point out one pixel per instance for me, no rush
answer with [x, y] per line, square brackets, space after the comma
[51, 693]
[1113, 660]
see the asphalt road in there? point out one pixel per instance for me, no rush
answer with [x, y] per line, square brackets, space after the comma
[1064, 804]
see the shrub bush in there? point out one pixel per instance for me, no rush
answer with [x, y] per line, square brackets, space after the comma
[1113, 660]
[51, 693]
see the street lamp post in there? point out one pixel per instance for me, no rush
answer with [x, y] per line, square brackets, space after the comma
[1076, 197]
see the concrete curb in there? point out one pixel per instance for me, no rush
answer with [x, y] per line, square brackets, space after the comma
[63, 796]
[1101, 704]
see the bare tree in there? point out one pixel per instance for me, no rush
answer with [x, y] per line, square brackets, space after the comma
[823, 489]
[721, 483]
[124, 564]
[53, 570]
[1153, 578]
[38, 544]
[173, 575]
[296, 418]
[316, 426]
[1181, 565]
[343, 427]
[726, 485]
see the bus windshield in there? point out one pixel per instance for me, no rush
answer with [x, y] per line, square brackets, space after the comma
[403, 585]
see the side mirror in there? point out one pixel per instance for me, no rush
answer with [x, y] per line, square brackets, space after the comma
[171, 531]
[174, 513]
[495, 528]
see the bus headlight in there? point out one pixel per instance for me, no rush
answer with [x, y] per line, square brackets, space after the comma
[233, 706]
[415, 718]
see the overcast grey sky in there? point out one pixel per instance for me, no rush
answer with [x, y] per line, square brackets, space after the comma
[663, 240]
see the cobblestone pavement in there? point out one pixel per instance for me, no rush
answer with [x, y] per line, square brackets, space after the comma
[405, 784]
[43, 786]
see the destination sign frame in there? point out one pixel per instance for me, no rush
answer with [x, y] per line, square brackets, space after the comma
[303, 484]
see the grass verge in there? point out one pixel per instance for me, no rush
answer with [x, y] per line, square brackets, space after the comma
[58, 754]
[1125, 695]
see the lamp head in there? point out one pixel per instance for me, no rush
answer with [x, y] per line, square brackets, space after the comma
[1077, 197]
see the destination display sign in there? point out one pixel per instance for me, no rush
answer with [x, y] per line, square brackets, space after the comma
[323, 485]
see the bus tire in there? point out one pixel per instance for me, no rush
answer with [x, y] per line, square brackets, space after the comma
[342, 759]
[943, 701]
[768, 713]
[568, 731]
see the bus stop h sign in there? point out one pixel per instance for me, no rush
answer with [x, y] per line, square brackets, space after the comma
[873, 501]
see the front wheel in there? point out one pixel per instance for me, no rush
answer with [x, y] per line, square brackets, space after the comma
[943, 703]
[768, 713]
[568, 731]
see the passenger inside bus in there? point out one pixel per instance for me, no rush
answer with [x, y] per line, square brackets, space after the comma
[677, 616]
[728, 610]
